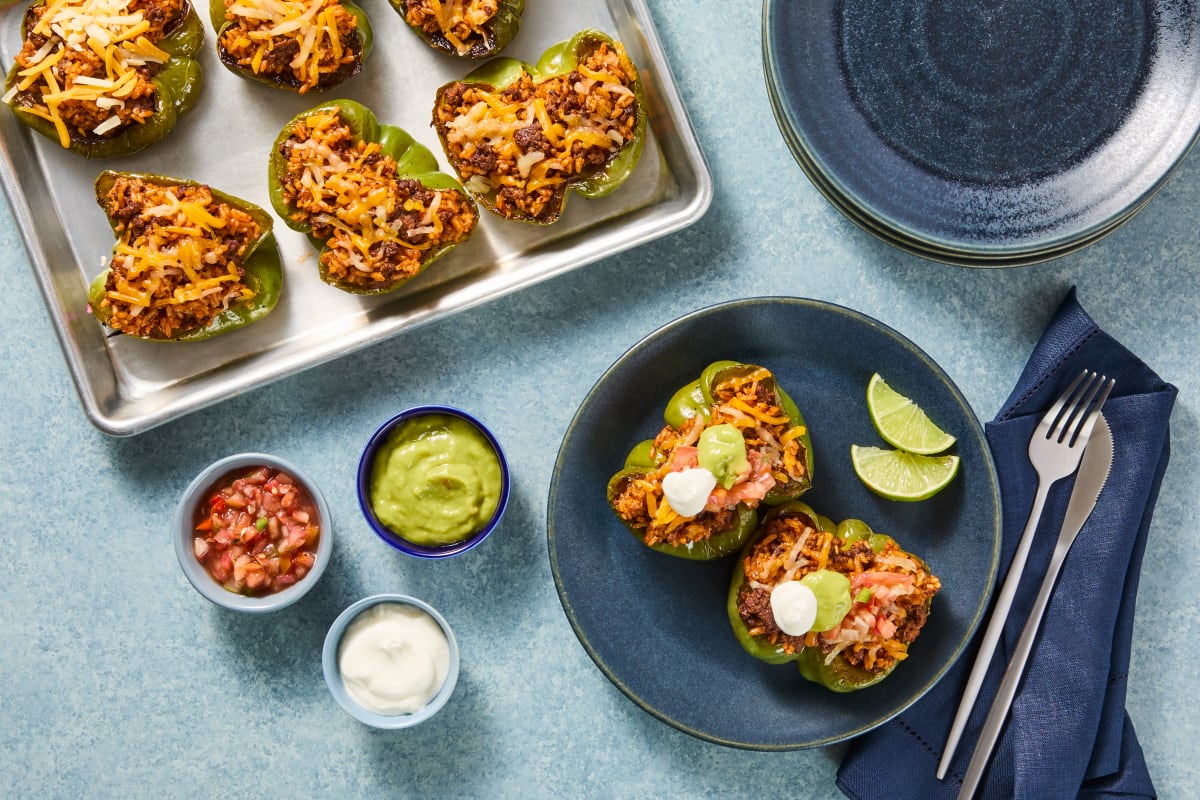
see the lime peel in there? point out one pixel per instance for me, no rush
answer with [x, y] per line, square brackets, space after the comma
[903, 476]
[901, 422]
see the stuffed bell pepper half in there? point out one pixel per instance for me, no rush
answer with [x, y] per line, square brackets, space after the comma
[843, 602]
[297, 45]
[733, 442]
[467, 28]
[105, 78]
[521, 136]
[370, 198]
[190, 262]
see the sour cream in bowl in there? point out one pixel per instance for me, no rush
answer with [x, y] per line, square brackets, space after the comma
[390, 661]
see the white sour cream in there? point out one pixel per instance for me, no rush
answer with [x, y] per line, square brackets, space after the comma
[794, 607]
[687, 491]
[393, 659]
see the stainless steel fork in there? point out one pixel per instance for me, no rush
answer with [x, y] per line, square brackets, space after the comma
[1054, 450]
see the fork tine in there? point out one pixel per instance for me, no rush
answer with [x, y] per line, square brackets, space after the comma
[1051, 416]
[1084, 432]
[1064, 433]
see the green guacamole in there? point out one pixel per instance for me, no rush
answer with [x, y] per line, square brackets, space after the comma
[435, 481]
[722, 451]
[832, 590]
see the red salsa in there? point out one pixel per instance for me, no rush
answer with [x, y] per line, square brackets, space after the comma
[257, 533]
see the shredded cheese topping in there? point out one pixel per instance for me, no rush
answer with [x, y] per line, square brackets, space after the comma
[462, 23]
[86, 65]
[308, 43]
[178, 261]
[891, 591]
[522, 145]
[380, 228]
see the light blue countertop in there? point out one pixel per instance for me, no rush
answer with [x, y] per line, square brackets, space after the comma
[118, 680]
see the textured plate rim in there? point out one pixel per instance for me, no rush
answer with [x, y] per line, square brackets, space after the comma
[897, 238]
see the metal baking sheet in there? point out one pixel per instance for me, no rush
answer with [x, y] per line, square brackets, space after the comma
[129, 386]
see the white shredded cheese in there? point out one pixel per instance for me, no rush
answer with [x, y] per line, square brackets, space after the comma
[109, 124]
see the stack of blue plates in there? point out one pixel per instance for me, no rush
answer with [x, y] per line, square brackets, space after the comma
[986, 133]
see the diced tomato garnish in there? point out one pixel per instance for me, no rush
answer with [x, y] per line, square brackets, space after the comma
[684, 457]
[245, 559]
[880, 579]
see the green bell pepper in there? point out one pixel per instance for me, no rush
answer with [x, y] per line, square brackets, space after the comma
[413, 160]
[759, 646]
[176, 84]
[362, 40]
[695, 399]
[851, 531]
[495, 34]
[840, 675]
[720, 371]
[642, 459]
[691, 400]
[262, 267]
[715, 546]
[561, 59]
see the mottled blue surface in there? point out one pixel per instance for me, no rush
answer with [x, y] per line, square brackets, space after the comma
[118, 680]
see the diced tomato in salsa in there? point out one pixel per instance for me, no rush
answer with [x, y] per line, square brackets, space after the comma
[257, 534]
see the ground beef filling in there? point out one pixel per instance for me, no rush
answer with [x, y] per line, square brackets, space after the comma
[774, 450]
[301, 44]
[178, 260]
[380, 229]
[521, 146]
[894, 586]
[95, 91]
[463, 24]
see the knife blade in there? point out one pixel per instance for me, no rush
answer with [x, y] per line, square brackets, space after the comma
[1093, 474]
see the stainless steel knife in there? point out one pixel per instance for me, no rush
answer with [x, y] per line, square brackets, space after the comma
[1093, 473]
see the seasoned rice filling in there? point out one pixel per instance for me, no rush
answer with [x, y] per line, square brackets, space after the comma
[891, 592]
[380, 229]
[527, 141]
[302, 43]
[86, 65]
[462, 23]
[774, 451]
[178, 261]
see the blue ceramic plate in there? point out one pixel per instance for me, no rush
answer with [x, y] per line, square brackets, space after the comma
[898, 240]
[980, 132]
[656, 625]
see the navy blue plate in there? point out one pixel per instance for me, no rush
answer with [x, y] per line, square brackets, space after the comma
[656, 625]
[894, 238]
[987, 130]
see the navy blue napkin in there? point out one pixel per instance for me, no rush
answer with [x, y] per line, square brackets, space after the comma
[1068, 734]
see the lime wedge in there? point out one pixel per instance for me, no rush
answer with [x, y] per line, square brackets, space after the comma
[898, 475]
[901, 422]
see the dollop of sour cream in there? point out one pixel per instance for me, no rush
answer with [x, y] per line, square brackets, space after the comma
[687, 491]
[794, 607]
[393, 659]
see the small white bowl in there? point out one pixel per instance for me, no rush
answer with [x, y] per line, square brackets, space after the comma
[333, 675]
[197, 493]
